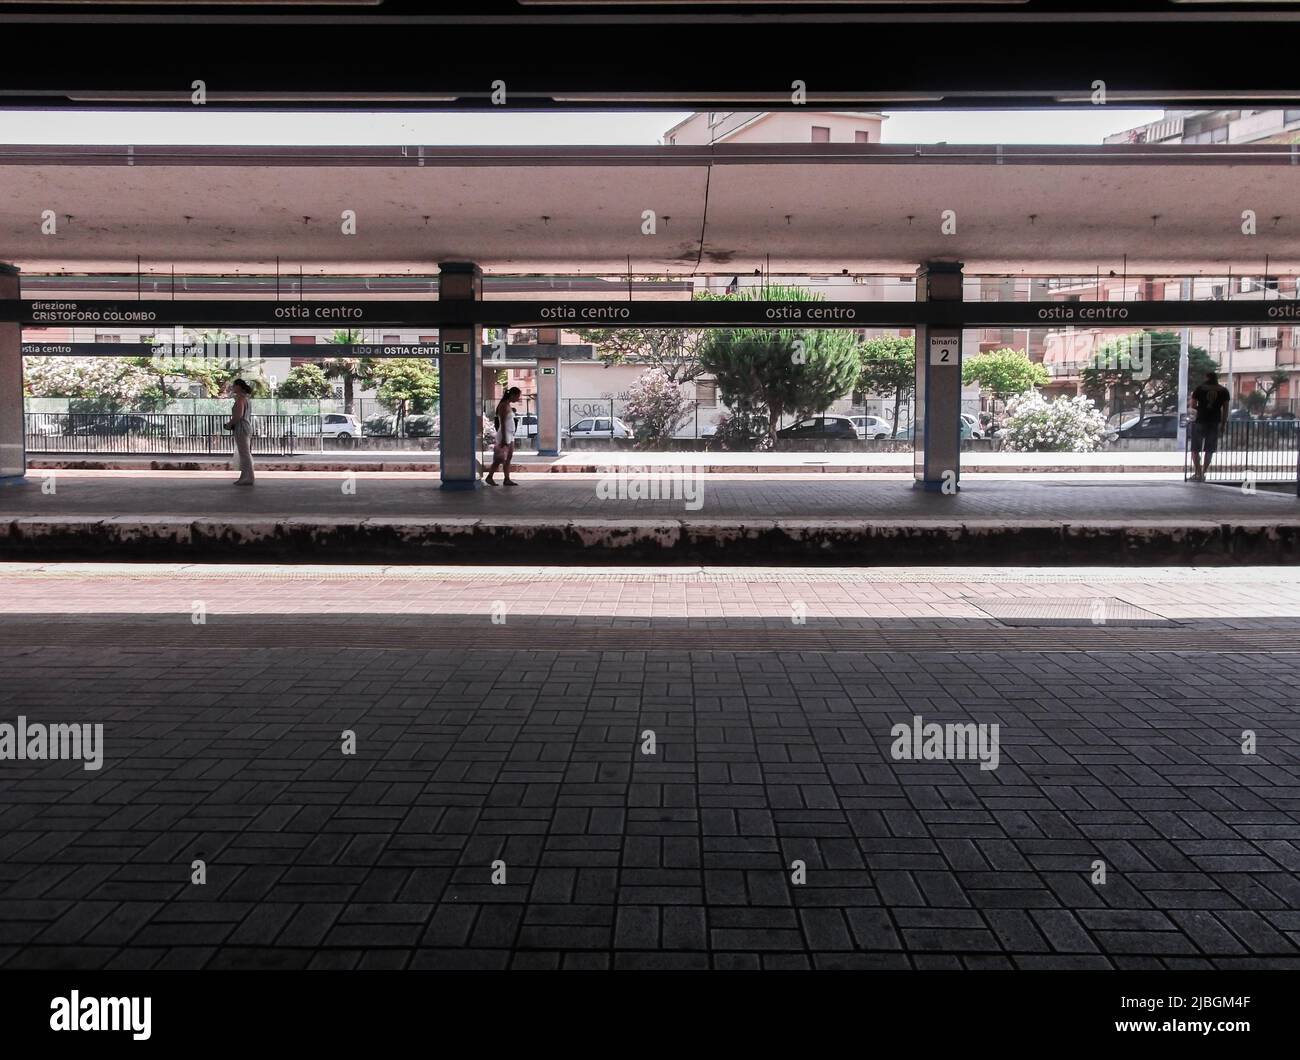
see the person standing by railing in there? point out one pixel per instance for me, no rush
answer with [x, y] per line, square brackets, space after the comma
[241, 423]
[1211, 401]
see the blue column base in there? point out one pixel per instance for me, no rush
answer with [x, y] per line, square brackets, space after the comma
[460, 484]
[549, 452]
[933, 485]
[13, 480]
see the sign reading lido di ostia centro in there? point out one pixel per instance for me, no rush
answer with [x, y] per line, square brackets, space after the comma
[697, 313]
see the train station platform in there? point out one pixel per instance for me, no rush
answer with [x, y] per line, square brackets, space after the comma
[636, 517]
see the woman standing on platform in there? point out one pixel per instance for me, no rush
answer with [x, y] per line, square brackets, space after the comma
[241, 423]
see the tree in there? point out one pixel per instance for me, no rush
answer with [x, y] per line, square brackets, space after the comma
[889, 367]
[407, 385]
[306, 381]
[1004, 373]
[780, 370]
[1141, 369]
[212, 368]
[351, 370]
[676, 351]
[1267, 390]
[656, 406]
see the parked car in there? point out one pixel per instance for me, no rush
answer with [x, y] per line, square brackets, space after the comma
[341, 425]
[526, 428]
[821, 427]
[52, 425]
[486, 428]
[1161, 426]
[108, 423]
[972, 421]
[599, 427]
[872, 427]
[908, 432]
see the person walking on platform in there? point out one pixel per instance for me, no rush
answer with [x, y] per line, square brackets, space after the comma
[504, 450]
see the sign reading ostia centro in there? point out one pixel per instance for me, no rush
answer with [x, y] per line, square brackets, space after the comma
[687, 313]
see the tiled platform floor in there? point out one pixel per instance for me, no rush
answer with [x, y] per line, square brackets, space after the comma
[469, 755]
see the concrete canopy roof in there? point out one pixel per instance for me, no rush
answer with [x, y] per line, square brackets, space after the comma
[724, 209]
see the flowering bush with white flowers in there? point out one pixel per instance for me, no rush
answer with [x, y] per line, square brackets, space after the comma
[656, 406]
[1066, 425]
[92, 382]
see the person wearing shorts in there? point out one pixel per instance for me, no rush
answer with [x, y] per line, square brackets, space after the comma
[1211, 401]
[504, 449]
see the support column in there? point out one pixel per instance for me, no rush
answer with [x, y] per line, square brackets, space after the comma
[548, 406]
[936, 409]
[460, 370]
[13, 445]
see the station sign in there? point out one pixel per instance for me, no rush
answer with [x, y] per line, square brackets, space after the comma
[685, 313]
[945, 350]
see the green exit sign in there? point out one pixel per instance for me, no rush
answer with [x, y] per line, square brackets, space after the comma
[455, 347]
[548, 371]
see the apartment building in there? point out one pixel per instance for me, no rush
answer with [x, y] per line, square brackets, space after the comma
[777, 127]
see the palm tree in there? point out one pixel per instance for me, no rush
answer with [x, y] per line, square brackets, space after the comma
[350, 369]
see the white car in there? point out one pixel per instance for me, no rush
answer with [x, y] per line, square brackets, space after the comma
[872, 427]
[340, 425]
[526, 427]
[974, 424]
[599, 427]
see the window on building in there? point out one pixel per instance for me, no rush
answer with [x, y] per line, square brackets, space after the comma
[107, 338]
[821, 134]
[861, 136]
[426, 339]
[706, 392]
[392, 338]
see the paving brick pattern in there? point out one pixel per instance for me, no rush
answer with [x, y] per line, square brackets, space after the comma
[615, 858]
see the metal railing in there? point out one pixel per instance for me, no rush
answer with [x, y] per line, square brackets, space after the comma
[149, 432]
[1260, 452]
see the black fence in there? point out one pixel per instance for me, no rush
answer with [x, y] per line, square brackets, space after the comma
[1262, 452]
[148, 432]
